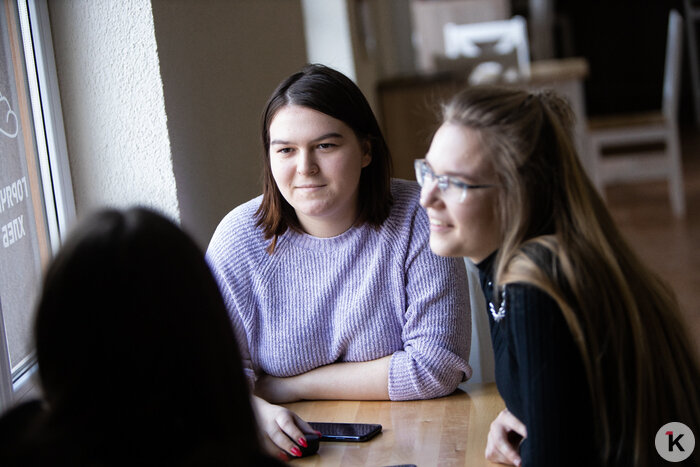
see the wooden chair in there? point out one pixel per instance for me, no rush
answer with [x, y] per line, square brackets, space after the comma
[429, 18]
[645, 129]
[692, 15]
[498, 50]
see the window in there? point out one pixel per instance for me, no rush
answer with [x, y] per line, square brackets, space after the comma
[36, 200]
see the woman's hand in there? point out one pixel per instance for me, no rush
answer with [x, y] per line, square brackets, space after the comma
[282, 429]
[505, 435]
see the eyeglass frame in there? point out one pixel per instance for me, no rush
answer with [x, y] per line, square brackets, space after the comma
[443, 182]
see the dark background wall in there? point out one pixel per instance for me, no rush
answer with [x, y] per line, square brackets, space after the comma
[624, 42]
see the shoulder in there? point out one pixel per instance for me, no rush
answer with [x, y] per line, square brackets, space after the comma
[237, 229]
[406, 193]
[406, 208]
[407, 225]
[18, 428]
[405, 188]
[241, 217]
[17, 419]
[530, 312]
[525, 297]
[536, 328]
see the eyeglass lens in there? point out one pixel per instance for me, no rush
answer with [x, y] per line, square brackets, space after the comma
[425, 175]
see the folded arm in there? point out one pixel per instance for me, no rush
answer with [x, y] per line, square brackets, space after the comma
[437, 328]
[346, 380]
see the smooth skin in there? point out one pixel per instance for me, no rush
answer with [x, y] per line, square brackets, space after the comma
[316, 161]
[347, 380]
[499, 448]
[470, 229]
[280, 427]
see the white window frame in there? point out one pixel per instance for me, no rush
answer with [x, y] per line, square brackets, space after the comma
[52, 155]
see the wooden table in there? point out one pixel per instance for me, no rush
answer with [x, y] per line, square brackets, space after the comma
[450, 431]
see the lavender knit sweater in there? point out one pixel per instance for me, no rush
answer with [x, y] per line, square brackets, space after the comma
[360, 296]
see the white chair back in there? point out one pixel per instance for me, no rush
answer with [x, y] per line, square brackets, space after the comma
[672, 66]
[643, 129]
[429, 19]
[489, 40]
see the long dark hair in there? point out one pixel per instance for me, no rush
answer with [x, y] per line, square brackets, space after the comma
[558, 235]
[330, 92]
[136, 352]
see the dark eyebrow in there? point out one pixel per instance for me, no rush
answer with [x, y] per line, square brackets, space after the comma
[320, 138]
[328, 136]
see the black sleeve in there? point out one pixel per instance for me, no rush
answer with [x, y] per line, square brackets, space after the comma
[556, 407]
[17, 429]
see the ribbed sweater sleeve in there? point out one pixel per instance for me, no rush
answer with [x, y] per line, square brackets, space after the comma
[229, 254]
[553, 395]
[365, 294]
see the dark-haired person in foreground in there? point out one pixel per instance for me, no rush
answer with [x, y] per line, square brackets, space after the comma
[591, 354]
[137, 357]
[327, 275]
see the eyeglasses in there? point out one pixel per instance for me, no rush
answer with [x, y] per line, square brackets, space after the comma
[452, 190]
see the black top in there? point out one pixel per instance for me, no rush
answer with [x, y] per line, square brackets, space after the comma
[28, 438]
[540, 374]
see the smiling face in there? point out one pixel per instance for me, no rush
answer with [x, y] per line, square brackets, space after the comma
[470, 228]
[316, 161]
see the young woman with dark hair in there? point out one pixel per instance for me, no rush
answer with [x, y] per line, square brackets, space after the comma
[331, 93]
[137, 357]
[592, 357]
[327, 276]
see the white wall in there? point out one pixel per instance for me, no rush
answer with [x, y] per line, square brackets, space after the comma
[367, 41]
[162, 99]
[328, 35]
[220, 60]
[113, 105]
[393, 27]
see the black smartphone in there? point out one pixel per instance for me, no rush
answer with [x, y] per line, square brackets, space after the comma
[346, 431]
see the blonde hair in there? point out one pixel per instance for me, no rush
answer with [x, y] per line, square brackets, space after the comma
[558, 235]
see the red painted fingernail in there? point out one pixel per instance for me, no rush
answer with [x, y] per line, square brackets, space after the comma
[295, 450]
[318, 433]
[302, 441]
[283, 457]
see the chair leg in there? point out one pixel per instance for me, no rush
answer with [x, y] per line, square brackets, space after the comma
[675, 180]
[595, 155]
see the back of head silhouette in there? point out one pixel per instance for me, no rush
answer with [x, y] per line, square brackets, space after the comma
[136, 352]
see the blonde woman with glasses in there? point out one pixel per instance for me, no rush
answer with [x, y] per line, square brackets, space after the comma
[592, 357]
